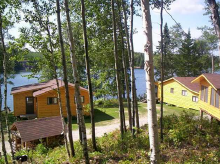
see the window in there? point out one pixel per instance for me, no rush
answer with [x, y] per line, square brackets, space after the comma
[217, 99]
[29, 100]
[214, 98]
[212, 102]
[184, 92]
[171, 90]
[82, 99]
[204, 94]
[195, 99]
[52, 100]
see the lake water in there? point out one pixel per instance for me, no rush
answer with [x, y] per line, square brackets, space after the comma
[20, 80]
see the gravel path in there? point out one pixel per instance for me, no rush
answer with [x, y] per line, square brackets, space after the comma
[101, 130]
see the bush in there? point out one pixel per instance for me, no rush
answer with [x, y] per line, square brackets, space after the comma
[110, 103]
[41, 149]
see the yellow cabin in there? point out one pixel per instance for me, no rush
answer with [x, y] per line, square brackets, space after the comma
[179, 91]
[40, 99]
[209, 94]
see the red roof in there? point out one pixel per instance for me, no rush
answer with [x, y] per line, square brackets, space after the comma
[41, 88]
[30, 87]
[186, 81]
[214, 79]
[31, 130]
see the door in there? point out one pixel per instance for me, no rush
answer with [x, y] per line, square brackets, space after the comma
[29, 105]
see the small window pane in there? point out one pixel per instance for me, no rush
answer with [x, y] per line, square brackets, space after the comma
[29, 100]
[206, 94]
[52, 100]
[82, 99]
[171, 90]
[184, 92]
[194, 98]
[202, 93]
[212, 102]
[217, 99]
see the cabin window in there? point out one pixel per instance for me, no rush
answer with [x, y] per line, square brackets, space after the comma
[217, 99]
[29, 100]
[82, 99]
[204, 94]
[171, 90]
[212, 102]
[195, 99]
[184, 92]
[52, 100]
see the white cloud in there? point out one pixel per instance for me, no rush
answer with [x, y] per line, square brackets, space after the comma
[186, 6]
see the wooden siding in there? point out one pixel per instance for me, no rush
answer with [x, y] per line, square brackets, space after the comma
[45, 110]
[19, 100]
[207, 107]
[177, 98]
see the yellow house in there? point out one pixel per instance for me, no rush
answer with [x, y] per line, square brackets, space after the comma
[179, 91]
[209, 94]
[40, 99]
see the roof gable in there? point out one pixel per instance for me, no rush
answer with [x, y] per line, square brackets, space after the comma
[212, 79]
[39, 128]
[186, 83]
[40, 88]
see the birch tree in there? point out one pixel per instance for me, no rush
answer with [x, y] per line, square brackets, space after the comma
[162, 71]
[129, 56]
[79, 106]
[215, 18]
[133, 86]
[69, 114]
[44, 25]
[87, 59]
[118, 80]
[1, 119]
[149, 68]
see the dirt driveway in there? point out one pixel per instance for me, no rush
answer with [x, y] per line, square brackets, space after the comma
[101, 130]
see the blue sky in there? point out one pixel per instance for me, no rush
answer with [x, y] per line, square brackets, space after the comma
[189, 13]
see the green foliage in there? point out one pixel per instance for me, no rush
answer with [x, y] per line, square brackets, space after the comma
[139, 60]
[108, 103]
[41, 149]
[183, 56]
[186, 140]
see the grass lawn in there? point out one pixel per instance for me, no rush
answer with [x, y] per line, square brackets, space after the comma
[107, 116]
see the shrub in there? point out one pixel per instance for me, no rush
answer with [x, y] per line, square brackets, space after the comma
[110, 103]
[41, 149]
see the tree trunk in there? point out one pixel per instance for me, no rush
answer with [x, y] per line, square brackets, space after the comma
[124, 60]
[162, 72]
[69, 115]
[58, 92]
[215, 18]
[213, 65]
[151, 104]
[118, 81]
[77, 85]
[88, 75]
[54, 69]
[133, 86]
[5, 87]
[2, 130]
